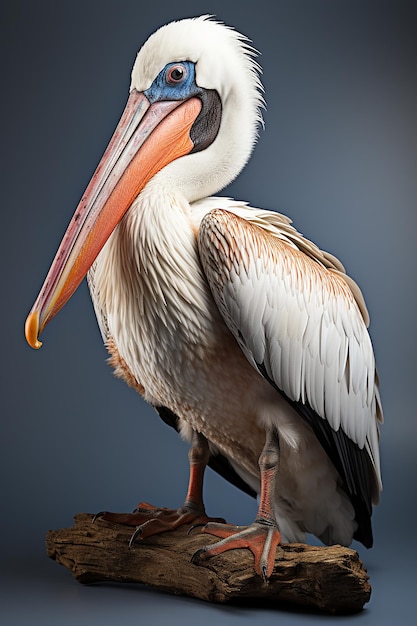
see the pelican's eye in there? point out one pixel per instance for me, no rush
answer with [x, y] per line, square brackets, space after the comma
[176, 74]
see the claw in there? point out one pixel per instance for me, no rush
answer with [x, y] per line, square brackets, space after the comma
[190, 530]
[136, 534]
[196, 555]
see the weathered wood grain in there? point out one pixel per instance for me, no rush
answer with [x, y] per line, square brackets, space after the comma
[330, 579]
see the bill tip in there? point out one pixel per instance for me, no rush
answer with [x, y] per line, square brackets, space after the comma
[32, 330]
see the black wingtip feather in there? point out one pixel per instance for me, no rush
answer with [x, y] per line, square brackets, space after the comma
[351, 462]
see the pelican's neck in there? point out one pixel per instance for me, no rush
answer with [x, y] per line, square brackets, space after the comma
[148, 278]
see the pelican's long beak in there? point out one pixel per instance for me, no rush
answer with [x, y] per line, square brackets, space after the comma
[148, 137]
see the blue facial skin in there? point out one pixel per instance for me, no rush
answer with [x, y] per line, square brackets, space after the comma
[163, 88]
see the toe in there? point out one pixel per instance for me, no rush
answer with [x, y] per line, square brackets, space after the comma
[262, 540]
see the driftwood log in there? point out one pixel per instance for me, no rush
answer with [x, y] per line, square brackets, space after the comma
[330, 579]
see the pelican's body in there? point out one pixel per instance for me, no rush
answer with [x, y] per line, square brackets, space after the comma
[222, 314]
[160, 316]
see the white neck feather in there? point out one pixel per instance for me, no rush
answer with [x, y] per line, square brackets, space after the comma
[148, 280]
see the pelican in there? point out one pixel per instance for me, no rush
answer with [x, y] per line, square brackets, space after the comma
[244, 335]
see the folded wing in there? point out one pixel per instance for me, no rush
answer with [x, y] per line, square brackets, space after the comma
[302, 323]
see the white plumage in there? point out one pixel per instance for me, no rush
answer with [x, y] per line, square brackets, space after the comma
[227, 316]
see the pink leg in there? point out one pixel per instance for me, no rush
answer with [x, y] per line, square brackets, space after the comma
[150, 520]
[262, 537]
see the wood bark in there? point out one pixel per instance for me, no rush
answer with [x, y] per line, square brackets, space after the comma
[330, 579]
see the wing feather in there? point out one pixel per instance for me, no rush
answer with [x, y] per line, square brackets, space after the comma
[301, 322]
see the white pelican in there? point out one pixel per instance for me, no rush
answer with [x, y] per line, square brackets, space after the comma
[243, 334]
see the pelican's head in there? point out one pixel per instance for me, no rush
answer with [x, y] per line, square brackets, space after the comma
[219, 64]
[191, 120]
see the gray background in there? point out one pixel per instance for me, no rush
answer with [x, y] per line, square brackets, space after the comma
[338, 155]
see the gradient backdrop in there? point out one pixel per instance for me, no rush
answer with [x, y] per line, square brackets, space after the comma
[338, 155]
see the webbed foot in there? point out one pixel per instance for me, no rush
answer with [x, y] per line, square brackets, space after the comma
[151, 520]
[260, 538]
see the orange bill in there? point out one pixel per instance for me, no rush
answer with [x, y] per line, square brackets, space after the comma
[147, 138]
